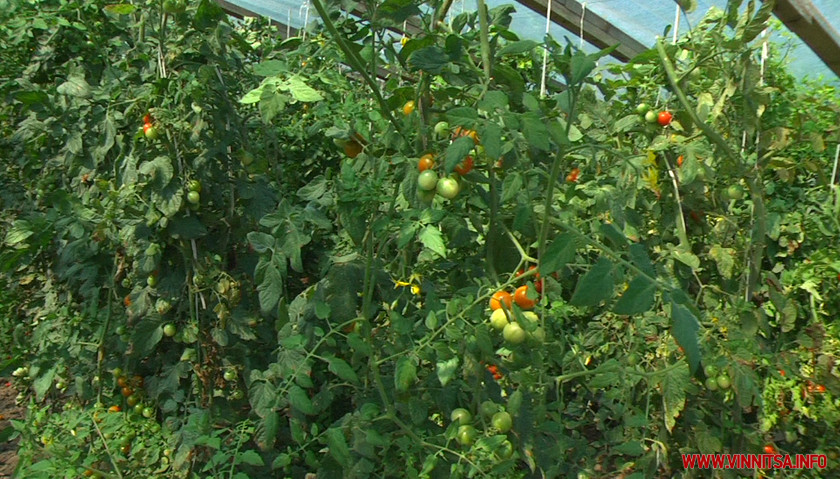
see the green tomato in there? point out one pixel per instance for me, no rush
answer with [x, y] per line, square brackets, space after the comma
[151, 280]
[514, 334]
[502, 421]
[488, 408]
[427, 180]
[120, 331]
[632, 359]
[461, 416]
[711, 384]
[710, 370]
[169, 330]
[194, 185]
[642, 108]
[448, 188]
[651, 117]
[230, 375]
[724, 382]
[735, 192]
[499, 319]
[505, 450]
[133, 400]
[238, 394]
[245, 157]
[150, 131]
[442, 129]
[466, 435]
[148, 412]
[425, 197]
[193, 197]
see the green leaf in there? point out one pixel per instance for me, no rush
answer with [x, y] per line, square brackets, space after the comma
[456, 152]
[398, 10]
[516, 48]
[672, 387]
[266, 433]
[494, 100]
[340, 368]
[431, 59]
[301, 91]
[462, 116]
[42, 383]
[76, 86]
[250, 457]
[432, 238]
[630, 448]
[626, 123]
[491, 139]
[261, 242]
[446, 370]
[724, 259]
[269, 68]
[511, 186]
[687, 258]
[558, 253]
[270, 288]
[638, 298]
[187, 227]
[684, 327]
[120, 9]
[535, 131]
[582, 65]
[19, 232]
[405, 374]
[300, 400]
[639, 257]
[596, 285]
[338, 446]
[146, 334]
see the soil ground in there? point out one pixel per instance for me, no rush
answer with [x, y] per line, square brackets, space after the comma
[8, 410]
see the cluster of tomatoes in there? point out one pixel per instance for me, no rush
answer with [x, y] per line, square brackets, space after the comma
[494, 370]
[664, 117]
[498, 418]
[149, 129]
[131, 388]
[429, 183]
[194, 192]
[504, 319]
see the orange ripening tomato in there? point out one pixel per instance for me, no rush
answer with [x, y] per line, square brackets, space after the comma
[459, 132]
[465, 167]
[573, 175]
[352, 148]
[409, 107]
[127, 301]
[522, 299]
[427, 162]
[498, 298]
[680, 161]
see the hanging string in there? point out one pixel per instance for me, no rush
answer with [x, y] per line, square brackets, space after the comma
[304, 7]
[289, 24]
[582, 14]
[676, 25]
[834, 173]
[545, 51]
[764, 54]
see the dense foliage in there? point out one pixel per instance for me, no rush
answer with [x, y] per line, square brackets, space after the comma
[221, 258]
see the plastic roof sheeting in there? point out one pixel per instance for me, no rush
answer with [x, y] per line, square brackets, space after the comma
[641, 19]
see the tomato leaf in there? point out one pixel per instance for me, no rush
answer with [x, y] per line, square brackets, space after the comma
[684, 327]
[146, 334]
[515, 48]
[300, 400]
[405, 374]
[535, 131]
[430, 59]
[456, 152]
[338, 446]
[491, 139]
[340, 368]
[638, 298]
[447, 369]
[596, 285]
[559, 252]
[672, 386]
[432, 238]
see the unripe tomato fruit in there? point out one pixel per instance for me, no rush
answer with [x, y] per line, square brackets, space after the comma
[461, 416]
[194, 185]
[502, 421]
[498, 298]
[651, 116]
[151, 280]
[193, 197]
[148, 412]
[499, 319]
[427, 162]
[448, 188]
[408, 108]
[150, 131]
[441, 128]
[735, 192]
[466, 435]
[169, 330]
[664, 118]
[488, 408]
[711, 384]
[723, 382]
[521, 298]
[642, 108]
[427, 180]
[514, 334]
[230, 375]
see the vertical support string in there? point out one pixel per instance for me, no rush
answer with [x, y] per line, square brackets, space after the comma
[582, 14]
[545, 51]
[676, 26]
[289, 24]
[304, 8]
[834, 172]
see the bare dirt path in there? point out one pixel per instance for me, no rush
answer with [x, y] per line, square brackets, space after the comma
[8, 410]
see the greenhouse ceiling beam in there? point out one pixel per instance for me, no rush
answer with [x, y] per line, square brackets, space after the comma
[596, 30]
[804, 19]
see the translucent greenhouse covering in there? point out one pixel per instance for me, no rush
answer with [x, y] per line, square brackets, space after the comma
[641, 20]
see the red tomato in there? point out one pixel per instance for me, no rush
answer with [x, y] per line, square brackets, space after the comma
[465, 167]
[770, 449]
[680, 161]
[147, 118]
[426, 162]
[664, 118]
